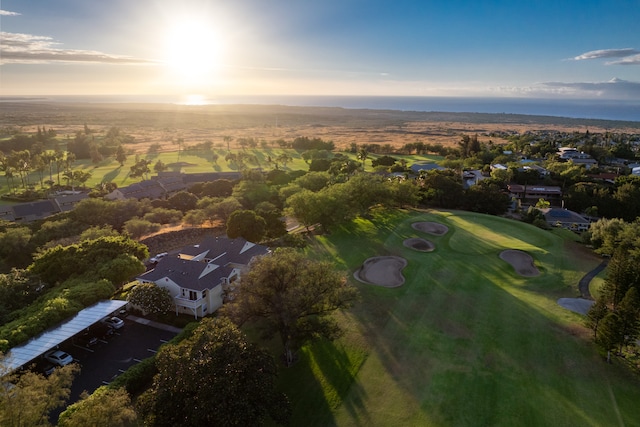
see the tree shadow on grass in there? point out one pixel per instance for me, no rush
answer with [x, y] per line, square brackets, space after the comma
[109, 177]
[324, 376]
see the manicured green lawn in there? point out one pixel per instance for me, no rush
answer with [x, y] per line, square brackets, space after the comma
[109, 170]
[465, 341]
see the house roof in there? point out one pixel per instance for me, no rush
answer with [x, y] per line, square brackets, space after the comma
[147, 189]
[237, 251]
[535, 189]
[68, 202]
[188, 274]
[39, 209]
[192, 178]
[563, 215]
[426, 166]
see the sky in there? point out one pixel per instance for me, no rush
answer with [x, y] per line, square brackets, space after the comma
[524, 48]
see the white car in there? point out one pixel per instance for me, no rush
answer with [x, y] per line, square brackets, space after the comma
[113, 322]
[58, 357]
[158, 257]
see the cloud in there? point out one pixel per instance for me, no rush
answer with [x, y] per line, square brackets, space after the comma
[612, 89]
[19, 48]
[7, 13]
[629, 56]
[628, 60]
[606, 53]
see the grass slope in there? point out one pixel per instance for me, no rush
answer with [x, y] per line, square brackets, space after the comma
[465, 341]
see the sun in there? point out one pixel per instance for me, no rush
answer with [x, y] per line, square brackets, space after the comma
[193, 52]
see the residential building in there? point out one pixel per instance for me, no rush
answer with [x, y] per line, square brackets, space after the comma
[202, 276]
[565, 218]
[530, 194]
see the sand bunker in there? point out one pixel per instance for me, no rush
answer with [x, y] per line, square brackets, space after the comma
[419, 244]
[521, 261]
[382, 271]
[434, 228]
[577, 305]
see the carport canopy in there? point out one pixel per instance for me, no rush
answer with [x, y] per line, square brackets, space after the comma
[25, 353]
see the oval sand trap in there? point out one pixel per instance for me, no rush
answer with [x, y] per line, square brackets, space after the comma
[521, 261]
[419, 244]
[382, 271]
[434, 228]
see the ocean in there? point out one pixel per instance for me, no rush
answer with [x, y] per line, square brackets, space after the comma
[625, 110]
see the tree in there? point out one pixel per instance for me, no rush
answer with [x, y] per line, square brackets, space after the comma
[596, 313]
[214, 377]
[362, 155]
[137, 227]
[610, 333]
[246, 224]
[223, 209]
[291, 296]
[486, 197]
[159, 166]
[140, 168]
[105, 407]
[114, 258]
[121, 155]
[182, 201]
[628, 311]
[34, 396]
[151, 298]
[623, 273]
[227, 139]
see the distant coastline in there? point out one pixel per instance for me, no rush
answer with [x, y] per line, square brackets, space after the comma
[619, 110]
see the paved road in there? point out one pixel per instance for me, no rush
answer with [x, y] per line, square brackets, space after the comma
[583, 285]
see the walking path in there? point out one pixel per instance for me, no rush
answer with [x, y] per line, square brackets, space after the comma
[154, 324]
[583, 285]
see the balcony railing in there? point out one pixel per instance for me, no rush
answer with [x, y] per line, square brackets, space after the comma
[189, 303]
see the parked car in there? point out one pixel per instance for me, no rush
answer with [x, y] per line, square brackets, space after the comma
[113, 322]
[101, 331]
[86, 339]
[44, 367]
[58, 357]
[158, 257]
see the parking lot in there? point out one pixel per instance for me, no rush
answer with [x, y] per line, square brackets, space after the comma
[110, 357]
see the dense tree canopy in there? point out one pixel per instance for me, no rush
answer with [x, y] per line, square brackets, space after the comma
[151, 298]
[105, 407]
[214, 378]
[34, 396]
[289, 295]
[246, 224]
[116, 257]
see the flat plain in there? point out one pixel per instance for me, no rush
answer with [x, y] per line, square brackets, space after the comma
[162, 123]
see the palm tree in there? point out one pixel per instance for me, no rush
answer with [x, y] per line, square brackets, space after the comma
[362, 155]
[228, 140]
[59, 159]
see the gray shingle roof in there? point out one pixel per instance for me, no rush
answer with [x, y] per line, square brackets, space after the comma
[187, 274]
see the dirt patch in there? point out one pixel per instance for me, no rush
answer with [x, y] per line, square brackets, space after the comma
[521, 261]
[434, 228]
[577, 305]
[419, 244]
[382, 271]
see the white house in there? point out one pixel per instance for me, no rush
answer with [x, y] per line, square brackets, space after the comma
[201, 276]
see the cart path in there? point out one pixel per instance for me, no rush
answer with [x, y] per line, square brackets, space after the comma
[583, 285]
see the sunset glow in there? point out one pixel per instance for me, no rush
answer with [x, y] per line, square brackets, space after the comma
[345, 47]
[193, 53]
